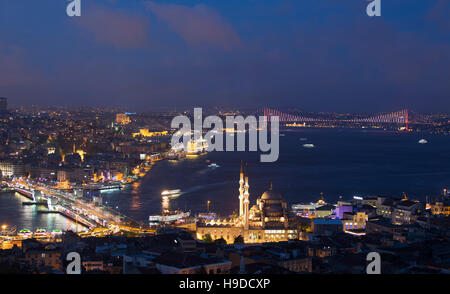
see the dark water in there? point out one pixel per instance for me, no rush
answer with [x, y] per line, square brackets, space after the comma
[13, 213]
[344, 163]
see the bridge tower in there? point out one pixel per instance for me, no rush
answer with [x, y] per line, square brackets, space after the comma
[37, 196]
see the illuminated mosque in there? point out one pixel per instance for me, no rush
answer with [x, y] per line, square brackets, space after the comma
[266, 221]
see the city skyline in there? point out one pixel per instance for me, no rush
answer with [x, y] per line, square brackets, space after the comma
[316, 55]
[250, 137]
[284, 110]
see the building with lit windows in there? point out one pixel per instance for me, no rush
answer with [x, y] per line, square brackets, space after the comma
[12, 168]
[147, 133]
[441, 207]
[122, 118]
[354, 221]
[266, 221]
[405, 212]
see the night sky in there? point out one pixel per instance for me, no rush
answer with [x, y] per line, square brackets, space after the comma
[317, 55]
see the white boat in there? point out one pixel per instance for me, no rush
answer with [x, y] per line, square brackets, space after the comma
[168, 217]
[175, 155]
[170, 192]
[303, 139]
[103, 187]
[213, 165]
[308, 145]
[198, 146]
[423, 141]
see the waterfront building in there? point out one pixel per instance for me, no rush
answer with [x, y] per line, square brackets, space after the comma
[441, 207]
[266, 221]
[10, 168]
[354, 221]
[147, 133]
[324, 211]
[122, 118]
[308, 210]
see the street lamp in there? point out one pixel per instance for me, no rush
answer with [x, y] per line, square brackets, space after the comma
[4, 229]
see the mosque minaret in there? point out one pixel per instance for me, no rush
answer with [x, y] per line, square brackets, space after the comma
[246, 200]
[241, 192]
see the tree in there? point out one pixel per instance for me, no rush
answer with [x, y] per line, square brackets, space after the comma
[220, 241]
[207, 238]
[239, 240]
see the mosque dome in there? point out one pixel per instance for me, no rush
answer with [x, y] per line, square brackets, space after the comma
[271, 195]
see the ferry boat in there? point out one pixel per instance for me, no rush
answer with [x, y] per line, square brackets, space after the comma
[423, 141]
[112, 186]
[103, 187]
[175, 155]
[40, 233]
[168, 217]
[308, 145]
[213, 165]
[170, 192]
[176, 152]
[196, 147]
[25, 233]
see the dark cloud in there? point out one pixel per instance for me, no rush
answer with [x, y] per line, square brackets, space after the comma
[198, 25]
[14, 69]
[115, 28]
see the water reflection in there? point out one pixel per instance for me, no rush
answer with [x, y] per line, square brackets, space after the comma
[135, 187]
[135, 203]
[14, 213]
[165, 204]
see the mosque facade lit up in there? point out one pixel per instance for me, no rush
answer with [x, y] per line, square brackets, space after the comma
[266, 221]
